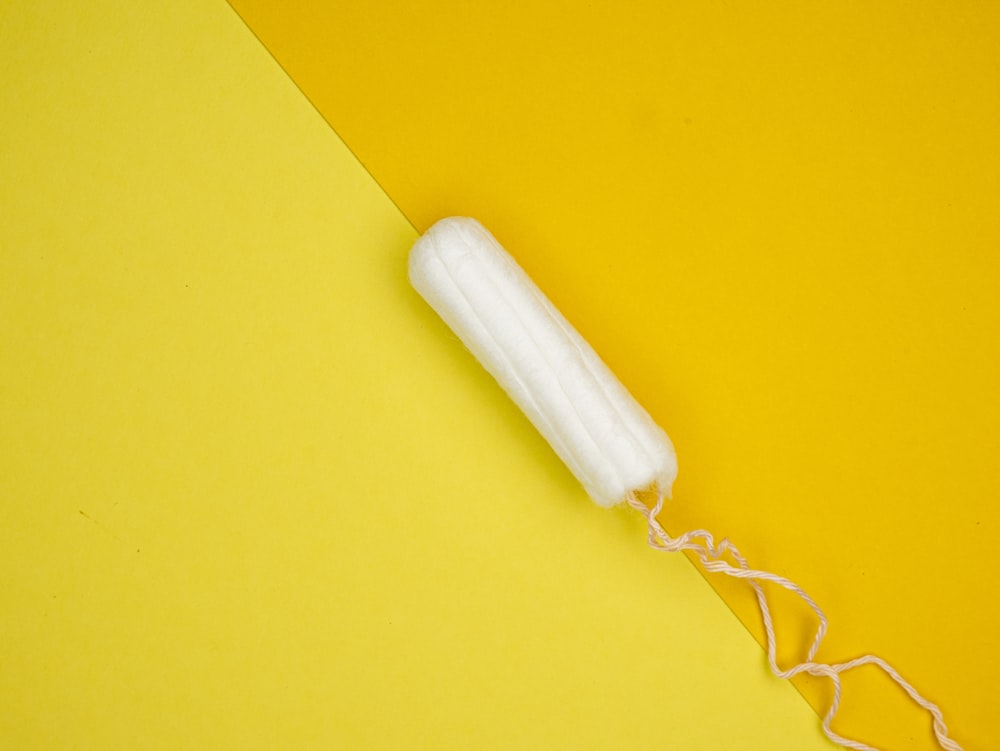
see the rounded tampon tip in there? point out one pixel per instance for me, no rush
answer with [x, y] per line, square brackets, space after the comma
[597, 428]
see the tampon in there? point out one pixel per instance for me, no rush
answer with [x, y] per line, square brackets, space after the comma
[597, 428]
[601, 433]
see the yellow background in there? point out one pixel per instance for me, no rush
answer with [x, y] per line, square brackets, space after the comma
[252, 493]
[780, 224]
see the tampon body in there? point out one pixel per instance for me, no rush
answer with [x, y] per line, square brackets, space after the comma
[597, 428]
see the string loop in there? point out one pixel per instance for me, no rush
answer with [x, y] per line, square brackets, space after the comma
[713, 558]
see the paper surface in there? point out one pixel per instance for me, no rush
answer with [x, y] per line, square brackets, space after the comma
[253, 494]
[780, 227]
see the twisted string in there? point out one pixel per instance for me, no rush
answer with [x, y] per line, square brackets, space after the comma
[713, 558]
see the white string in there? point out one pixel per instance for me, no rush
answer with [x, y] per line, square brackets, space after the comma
[712, 556]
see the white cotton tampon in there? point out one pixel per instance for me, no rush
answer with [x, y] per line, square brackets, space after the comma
[597, 428]
[602, 434]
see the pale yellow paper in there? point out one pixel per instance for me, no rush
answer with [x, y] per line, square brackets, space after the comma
[253, 494]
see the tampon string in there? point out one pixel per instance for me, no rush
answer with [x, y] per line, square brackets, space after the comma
[713, 557]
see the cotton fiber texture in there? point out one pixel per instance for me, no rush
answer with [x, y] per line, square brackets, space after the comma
[597, 428]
